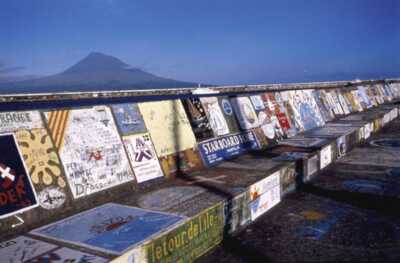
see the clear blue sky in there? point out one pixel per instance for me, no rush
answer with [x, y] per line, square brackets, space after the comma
[216, 41]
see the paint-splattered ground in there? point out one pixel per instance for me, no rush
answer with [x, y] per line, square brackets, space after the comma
[350, 212]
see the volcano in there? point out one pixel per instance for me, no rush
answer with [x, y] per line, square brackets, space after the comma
[95, 72]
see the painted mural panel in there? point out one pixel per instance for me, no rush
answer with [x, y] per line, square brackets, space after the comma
[362, 92]
[189, 241]
[282, 115]
[346, 97]
[307, 111]
[23, 249]
[111, 228]
[44, 166]
[309, 101]
[168, 126]
[12, 121]
[67, 255]
[27, 250]
[265, 195]
[216, 150]
[143, 157]
[90, 148]
[16, 191]
[359, 99]
[245, 113]
[335, 102]
[198, 118]
[261, 187]
[183, 162]
[291, 112]
[342, 102]
[258, 102]
[325, 156]
[325, 111]
[371, 96]
[268, 119]
[128, 118]
[227, 111]
[294, 102]
[328, 100]
[215, 115]
[388, 92]
[352, 96]
[40, 157]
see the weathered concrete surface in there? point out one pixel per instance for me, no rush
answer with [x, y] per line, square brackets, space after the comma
[349, 212]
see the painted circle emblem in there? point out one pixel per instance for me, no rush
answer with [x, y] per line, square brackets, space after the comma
[248, 113]
[227, 107]
[51, 198]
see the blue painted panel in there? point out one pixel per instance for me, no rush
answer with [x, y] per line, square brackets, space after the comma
[112, 227]
[216, 150]
[128, 118]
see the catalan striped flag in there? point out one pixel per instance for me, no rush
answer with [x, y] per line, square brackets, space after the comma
[57, 124]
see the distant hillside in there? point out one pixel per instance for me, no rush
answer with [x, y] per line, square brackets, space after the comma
[97, 71]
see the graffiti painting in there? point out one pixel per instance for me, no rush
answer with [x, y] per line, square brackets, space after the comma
[268, 120]
[215, 115]
[342, 102]
[295, 123]
[362, 93]
[111, 228]
[27, 250]
[128, 118]
[198, 118]
[294, 100]
[245, 113]
[67, 255]
[143, 157]
[44, 166]
[264, 195]
[182, 162]
[258, 102]
[23, 249]
[168, 126]
[90, 148]
[227, 111]
[12, 121]
[216, 150]
[325, 111]
[16, 191]
[325, 157]
[282, 115]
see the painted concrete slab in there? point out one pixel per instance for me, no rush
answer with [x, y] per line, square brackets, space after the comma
[111, 228]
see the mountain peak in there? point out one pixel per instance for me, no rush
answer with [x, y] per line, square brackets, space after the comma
[94, 72]
[97, 61]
